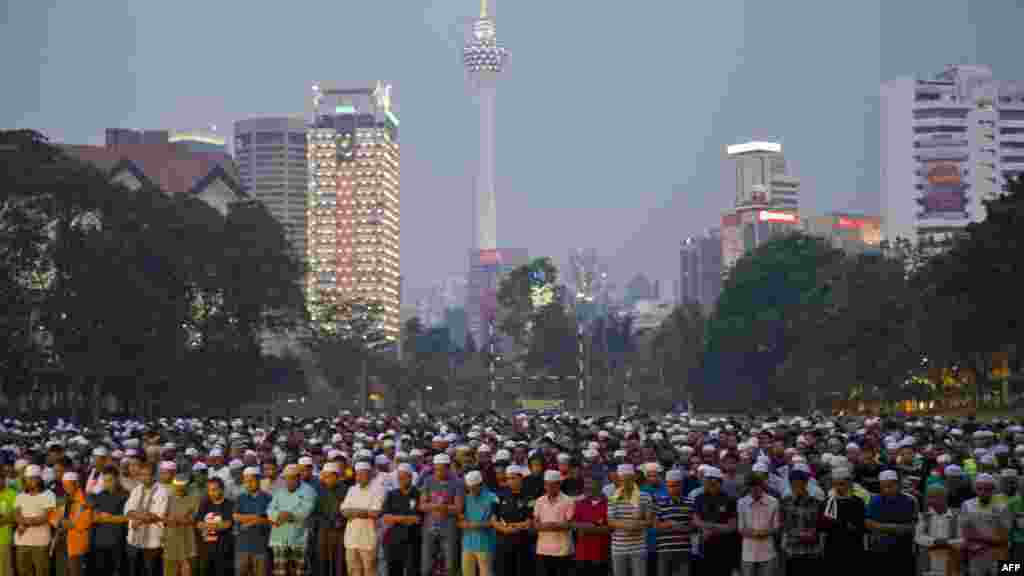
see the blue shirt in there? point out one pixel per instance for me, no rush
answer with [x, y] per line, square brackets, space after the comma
[654, 492]
[898, 509]
[479, 508]
[253, 539]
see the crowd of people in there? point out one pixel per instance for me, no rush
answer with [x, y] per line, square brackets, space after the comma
[550, 494]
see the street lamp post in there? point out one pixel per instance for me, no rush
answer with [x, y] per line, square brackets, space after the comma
[490, 365]
[580, 367]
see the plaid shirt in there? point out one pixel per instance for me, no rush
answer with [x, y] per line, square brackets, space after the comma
[800, 513]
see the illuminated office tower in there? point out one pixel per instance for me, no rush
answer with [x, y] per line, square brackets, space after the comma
[353, 199]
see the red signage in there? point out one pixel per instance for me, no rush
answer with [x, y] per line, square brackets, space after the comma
[488, 257]
[854, 223]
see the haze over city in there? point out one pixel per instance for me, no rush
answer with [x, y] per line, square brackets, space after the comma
[611, 117]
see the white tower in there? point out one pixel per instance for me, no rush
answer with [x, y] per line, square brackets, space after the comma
[484, 58]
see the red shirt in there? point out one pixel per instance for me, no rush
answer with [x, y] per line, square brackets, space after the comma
[589, 545]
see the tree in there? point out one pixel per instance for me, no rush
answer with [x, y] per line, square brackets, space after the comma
[751, 333]
[521, 295]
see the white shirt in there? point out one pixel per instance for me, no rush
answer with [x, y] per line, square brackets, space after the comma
[149, 536]
[34, 506]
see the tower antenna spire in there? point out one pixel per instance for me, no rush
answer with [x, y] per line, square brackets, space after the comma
[483, 9]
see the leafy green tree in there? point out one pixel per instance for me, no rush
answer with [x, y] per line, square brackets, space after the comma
[751, 333]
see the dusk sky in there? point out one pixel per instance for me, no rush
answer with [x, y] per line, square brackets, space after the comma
[611, 117]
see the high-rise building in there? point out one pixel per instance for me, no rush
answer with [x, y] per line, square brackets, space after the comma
[200, 140]
[766, 202]
[947, 144]
[851, 232]
[486, 269]
[353, 224]
[700, 269]
[271, 157]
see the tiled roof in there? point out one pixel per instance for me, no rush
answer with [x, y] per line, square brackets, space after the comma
[171, 167]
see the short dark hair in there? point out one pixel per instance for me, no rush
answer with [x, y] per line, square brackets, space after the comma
[216, 480]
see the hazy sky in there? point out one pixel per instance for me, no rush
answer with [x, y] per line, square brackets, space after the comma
[612, 116]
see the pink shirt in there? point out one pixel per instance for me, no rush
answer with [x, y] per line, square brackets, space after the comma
[762, 514]
[547, 511]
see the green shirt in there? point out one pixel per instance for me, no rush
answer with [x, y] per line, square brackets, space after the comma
[1015, 508]
[7, 497]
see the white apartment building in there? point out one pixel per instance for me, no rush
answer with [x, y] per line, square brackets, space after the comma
[947, 143]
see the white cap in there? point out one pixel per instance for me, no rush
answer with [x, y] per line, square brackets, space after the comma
[712, 472]
[33, 471]
[563, 458]
[236, 464]
[888, 475]
[251, 471]
[168, 466]
[291, 470]
[305, 461]
[216, 453]
[363, 466]
[442, 459]
[517, 470]
[674, 475]
[330, 468]
[403, 467]
[552, 476]
[626, 470]
[99, 451]
[483, 449]
[760, 467]
[474, 478]
[984, 478]
[70, 477]
[842, 473]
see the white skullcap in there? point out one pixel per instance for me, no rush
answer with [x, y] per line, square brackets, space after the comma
[674, 475]
[985, 478]
[944, 459]
[305, 461]
[888, 475]
[1008, 473]
[403, 467]
[168, 466]
[236, 464]
[802, 467]
[852, 446]
[483, 449]
[251, 471]
[330, 468]
[953, 470]
[760, 467]
[291, 470]
[442, 459]
[362, 466]
[563, 458]
[502, 454]
[216, 453]
[100, 451]
[712, 472]
[381, 460]
[626, 470]
[552, 476]
[841, 473]
[70, 477]
[474, 478]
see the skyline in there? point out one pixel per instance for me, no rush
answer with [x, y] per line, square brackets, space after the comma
[570, 176]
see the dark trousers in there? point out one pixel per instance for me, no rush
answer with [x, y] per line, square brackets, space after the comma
[107, 561]
[594, 568]
[652, 561]
[803, 566]
[145, 561]
[330, 552]
[717, 561]
[403, 559]
[554, 565]
[512, 557]
[220, 562]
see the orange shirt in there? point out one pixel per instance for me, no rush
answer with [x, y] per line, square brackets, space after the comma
[79, 520]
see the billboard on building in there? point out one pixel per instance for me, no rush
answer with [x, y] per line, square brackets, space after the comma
[943, 191]
[732, 239]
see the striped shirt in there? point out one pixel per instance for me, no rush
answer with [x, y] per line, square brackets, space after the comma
[628, 542]
[677, 510]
